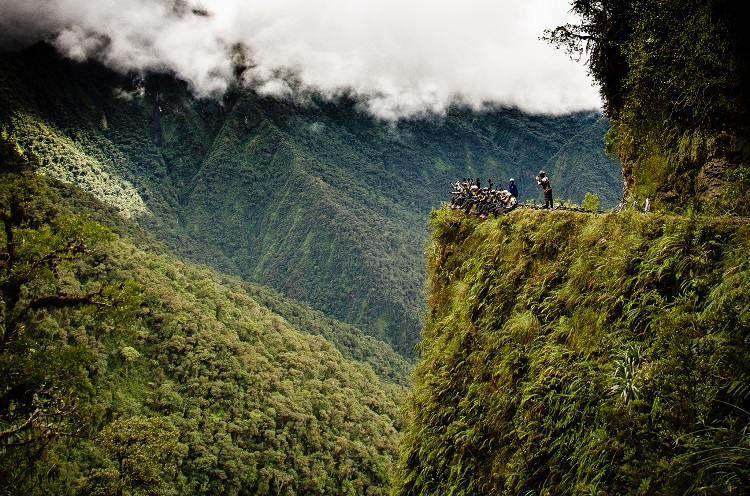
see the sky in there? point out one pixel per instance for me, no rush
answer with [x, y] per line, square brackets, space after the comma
[404, 57]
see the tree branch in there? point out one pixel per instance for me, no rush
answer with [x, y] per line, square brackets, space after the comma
[15, 430]
[58, 301]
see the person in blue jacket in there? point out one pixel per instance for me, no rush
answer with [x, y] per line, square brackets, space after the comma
[512, 188]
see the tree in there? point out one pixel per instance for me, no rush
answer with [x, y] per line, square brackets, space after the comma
[600, 35]
[142, 450]
[673, 76]
[45, 389]
[590, 202]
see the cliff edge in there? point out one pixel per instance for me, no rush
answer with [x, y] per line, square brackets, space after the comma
[568, 353]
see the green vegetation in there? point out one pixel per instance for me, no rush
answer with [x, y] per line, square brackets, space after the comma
[590, 202]
[318, 199]
[608, 354]
[46, 393]
[561, 353]
[350, 341]
[674, 76]
[567, 353]
[143, 452]
[128, 371]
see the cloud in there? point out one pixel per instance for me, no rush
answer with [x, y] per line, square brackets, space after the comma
[402, 56]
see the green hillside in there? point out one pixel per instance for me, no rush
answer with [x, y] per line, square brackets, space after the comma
[568, 353]
[314, 198]
[125, 370]
[572, 171]
[350, 341]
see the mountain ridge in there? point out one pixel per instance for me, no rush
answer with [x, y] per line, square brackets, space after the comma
[242, 183]
[129, 369]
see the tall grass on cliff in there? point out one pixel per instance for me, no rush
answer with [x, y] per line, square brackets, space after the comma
[566, 353]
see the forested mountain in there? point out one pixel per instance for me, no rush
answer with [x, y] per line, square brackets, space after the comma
[561, 352]
[312, 196]
[125, 370]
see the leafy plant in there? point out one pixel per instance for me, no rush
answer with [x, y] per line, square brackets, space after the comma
[143, 452]
[625, 373]
[590, 202]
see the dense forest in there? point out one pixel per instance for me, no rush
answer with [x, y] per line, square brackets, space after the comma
[315, 198]
[225, 295]
[125, 370]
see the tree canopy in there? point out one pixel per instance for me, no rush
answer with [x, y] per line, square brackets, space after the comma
[674, 78]
[45, 389]
[124, 370]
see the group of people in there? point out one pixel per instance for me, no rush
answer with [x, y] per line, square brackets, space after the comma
[469, 194]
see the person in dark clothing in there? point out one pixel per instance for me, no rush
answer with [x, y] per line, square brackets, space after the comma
[512, 188]
[457, 193]
[473, 199]
[543, 181]
[505, 203]
[486, 202]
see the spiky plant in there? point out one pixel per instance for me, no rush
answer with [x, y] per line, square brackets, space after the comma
[630, 362]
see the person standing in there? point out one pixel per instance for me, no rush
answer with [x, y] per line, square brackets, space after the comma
[512, 188]
[543, 181]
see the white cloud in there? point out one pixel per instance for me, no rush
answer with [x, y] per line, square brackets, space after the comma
[406, 56]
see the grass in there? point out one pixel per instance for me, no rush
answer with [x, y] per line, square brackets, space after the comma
[573, 353]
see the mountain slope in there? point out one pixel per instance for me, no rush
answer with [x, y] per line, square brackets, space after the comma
[572, 170]
[314, 198]
[350, 341]
[203, 389]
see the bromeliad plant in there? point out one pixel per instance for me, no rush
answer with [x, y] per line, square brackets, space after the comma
[630, 363]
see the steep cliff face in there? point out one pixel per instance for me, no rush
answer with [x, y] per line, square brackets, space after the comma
[566, 353]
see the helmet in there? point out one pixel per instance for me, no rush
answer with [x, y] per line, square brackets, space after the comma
[511, 180]
[474, 186]
[541, 173]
